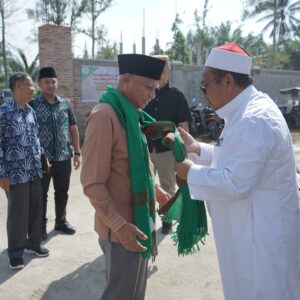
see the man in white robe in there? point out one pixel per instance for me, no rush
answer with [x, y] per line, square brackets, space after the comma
[248, 181]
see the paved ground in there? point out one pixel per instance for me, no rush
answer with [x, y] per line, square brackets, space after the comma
[75, 268]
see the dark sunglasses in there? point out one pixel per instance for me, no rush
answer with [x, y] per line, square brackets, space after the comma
[203, 87]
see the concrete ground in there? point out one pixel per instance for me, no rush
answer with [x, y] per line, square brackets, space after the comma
[75, 268]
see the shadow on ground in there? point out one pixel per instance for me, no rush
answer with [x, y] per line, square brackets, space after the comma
[79, 284]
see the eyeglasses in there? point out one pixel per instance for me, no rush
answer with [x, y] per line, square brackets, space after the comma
[204, 87]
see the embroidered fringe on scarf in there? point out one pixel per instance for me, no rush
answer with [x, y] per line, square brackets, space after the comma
[190, 215]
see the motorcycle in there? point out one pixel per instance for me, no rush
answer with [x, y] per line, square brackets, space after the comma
[197, 124]
[204, 119]
[214, 124]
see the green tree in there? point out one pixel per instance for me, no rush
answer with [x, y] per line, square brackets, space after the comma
[94, 8]
[107, 51]
[157, 49]
[7, 8]
[280, 17]
[21, 63]
[224, 33]
[291, 47]
[200, 41]
[58, 12]
[178, 50]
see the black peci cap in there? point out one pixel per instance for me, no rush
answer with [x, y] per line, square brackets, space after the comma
[141, 65]
[47, 72]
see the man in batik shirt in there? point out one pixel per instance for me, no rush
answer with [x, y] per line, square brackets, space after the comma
[57, 132]
[20, 172]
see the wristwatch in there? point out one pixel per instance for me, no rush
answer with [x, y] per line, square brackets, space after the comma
[77, 153]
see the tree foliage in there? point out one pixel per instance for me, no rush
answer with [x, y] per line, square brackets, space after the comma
[58, 12]
[7, 9]
[20, 63]
[178, 48]
[279, 17]
[107, 51]
[94, 8]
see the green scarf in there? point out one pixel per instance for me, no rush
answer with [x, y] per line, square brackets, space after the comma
[140, 175]
[190, 215]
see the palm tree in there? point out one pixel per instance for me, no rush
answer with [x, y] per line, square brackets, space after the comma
[20, 63]
[280, 16]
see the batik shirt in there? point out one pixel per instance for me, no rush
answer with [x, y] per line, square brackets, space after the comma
[54, 122]
[20, 151]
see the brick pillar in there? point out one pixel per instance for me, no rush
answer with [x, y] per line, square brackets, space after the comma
[55, 50]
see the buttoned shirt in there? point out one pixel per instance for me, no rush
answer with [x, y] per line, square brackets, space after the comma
[54, 122]
[20, 151]
[105, 171]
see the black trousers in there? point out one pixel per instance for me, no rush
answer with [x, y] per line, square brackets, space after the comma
[60, 173]
[24, 217]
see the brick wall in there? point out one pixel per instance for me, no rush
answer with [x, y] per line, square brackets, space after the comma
[55, 50]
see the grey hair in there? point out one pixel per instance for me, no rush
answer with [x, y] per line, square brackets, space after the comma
[19, 76]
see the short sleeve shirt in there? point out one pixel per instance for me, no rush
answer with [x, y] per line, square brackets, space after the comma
[169, 104]
[54, 122]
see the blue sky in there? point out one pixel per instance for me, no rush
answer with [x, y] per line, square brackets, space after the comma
[126, 16]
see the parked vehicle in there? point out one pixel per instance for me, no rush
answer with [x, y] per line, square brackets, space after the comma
[205, 120]
[5, 94]
[198, 117]
[291, 111]
[214, 124]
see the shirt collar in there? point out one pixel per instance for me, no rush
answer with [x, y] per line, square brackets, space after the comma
[236, 102]
[41, 98]
[167, 85]
[18, 108]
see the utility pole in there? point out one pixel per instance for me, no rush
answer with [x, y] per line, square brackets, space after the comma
[143, 37]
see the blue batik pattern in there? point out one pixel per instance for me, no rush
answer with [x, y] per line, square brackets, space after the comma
[20, 151]
[54, 126]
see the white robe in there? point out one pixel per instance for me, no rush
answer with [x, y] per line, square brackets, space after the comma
[248, 181]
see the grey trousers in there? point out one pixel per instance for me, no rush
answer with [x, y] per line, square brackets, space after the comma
[126, 273]
[24, 217]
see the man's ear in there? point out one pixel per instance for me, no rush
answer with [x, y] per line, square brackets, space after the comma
[126, 80]
[229, 79]
[18, 85]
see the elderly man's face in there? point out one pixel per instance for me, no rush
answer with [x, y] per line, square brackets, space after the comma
[214, 89]
[140, 90]
[26, 88]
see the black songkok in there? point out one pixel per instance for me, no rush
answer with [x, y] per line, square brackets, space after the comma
[47, 72]
[142, 65]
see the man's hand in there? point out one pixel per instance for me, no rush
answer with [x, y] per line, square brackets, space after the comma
[76, 161]
[5, 184]
[191, 145]
[161, 196]
[127, 237]
[182, 168]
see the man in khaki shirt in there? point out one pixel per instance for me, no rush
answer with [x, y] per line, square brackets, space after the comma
[106, 180]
